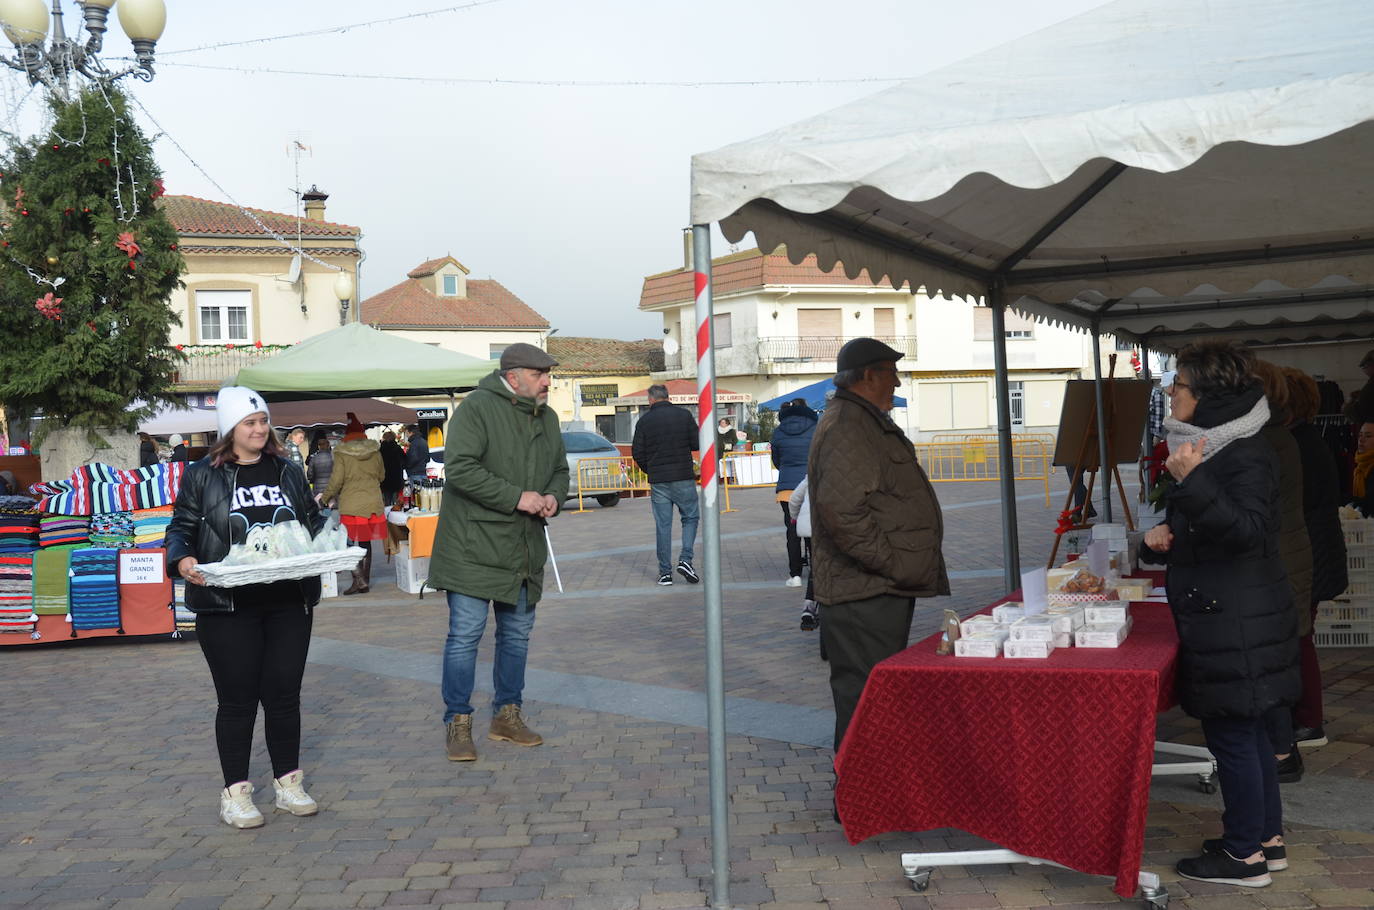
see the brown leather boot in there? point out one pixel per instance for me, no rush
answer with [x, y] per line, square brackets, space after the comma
[362, 576]
[460, 747]
[507, 724]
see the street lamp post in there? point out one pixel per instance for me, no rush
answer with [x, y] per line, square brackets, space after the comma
[343, 289]
[25, 23]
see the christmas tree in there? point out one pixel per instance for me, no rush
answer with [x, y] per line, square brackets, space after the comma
[87, 264]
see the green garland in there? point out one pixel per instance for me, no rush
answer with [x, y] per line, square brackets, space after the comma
[211, 350]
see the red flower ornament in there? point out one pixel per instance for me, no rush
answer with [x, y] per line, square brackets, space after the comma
[127, 244]
[49, 306]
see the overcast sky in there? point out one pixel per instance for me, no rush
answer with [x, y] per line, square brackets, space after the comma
[567, 195]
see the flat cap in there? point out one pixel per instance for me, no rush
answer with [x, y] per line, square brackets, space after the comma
[1368, 359]
[860, 352]
[527, 356]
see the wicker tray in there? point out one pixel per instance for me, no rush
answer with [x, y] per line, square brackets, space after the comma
[219, 575]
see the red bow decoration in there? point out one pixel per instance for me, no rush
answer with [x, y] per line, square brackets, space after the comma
[49, 306]
[127, 244]
[1065, 521]
[158, 188]
[257, 344]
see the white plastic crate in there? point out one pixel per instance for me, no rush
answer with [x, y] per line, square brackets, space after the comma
[1355, 634]
[1360, 585]
[1359, 558]
[1329, 611]
[1358, 531]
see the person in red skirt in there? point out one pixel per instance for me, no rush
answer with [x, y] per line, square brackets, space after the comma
[357, 486]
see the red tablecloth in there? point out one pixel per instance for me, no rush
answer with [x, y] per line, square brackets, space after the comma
[1050, 758]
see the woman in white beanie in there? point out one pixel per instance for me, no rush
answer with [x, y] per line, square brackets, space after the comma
[178, 445]
[254, 637]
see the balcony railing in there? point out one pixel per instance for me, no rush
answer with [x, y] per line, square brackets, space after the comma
[212, 367]
[804, 350]
[672, 362]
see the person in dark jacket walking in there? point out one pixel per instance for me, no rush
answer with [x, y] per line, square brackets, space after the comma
[393, 467]
[417, 456]
[1321, 499]
[1231, 599]
[178, 445]
[254, 637]
[320, 466]
[664, 441]
[147, 451]
[791, 448]
[1360, 408]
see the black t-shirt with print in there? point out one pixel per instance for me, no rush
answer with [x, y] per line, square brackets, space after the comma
[260, 501]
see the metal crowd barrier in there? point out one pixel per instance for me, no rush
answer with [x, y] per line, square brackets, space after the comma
[976, 458]
[600, 476]
[746, 469]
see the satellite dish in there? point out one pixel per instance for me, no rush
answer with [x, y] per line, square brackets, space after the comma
[293, 274]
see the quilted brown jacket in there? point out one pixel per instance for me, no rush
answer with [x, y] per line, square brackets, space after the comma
[876, 524]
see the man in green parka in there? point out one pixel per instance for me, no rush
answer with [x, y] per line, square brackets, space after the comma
[505, 474]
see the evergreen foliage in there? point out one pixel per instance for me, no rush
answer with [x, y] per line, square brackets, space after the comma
[87, 264]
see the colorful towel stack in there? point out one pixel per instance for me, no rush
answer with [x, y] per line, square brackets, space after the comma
[16, 594]
[150, 526]
[95, 590]
[115, 529]
[50, 582]
[69, 531]
[185, 619]
[18, 531]
[95, 489]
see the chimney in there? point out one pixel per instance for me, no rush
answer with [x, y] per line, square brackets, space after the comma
[314, 203]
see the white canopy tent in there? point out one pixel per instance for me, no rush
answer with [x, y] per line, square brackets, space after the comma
[1156, 169]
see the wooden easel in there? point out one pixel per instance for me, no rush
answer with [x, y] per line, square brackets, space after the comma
[1087, 443]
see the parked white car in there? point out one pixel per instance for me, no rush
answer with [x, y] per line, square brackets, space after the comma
[581, 445]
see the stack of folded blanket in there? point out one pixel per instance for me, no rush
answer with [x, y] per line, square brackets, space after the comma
[68, 531]
[95, 590]
[16, 593]
[50, 582]
[114, 529]
[185, 619]
[18, 531]
[150, 526]
[95, 489]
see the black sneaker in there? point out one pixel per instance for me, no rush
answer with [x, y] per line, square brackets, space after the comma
[1224, 869]
[684, 568]
[1310, 737]
[809, 623]
[665, 580]
[1276, 858]
[1290, 768]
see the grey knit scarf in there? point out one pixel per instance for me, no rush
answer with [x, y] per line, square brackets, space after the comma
[1221, 435]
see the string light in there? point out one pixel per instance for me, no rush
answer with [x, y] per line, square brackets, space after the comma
[559, 83]
[334, 29]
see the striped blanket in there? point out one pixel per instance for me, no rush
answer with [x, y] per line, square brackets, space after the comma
[18, 531]
[16, 594]
[115, 529]
[96, 489]
[63, 531]
[150, 526]
[95, 590]
[50, 582]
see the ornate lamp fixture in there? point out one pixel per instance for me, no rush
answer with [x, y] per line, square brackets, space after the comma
[25, 23]
[343, 289]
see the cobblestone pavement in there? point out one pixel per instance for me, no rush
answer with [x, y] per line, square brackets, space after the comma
[108, 761]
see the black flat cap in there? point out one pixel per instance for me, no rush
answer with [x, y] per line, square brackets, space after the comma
[860, 352]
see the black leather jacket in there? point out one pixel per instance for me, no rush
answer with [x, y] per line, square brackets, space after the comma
[200, 527]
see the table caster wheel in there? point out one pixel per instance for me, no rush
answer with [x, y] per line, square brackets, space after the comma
[920, 879]
[1206, 785]
[1155, 898]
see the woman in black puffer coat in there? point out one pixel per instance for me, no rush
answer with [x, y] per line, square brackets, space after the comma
[1231, 600]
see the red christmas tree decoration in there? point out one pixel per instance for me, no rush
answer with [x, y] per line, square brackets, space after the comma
[257, 344]
[158, 188]
[49, 306]
[127, 245]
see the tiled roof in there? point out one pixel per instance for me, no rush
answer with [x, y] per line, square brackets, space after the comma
[488, 305]
[425, 269]
[191, 249]
[190, 215]
[606, 356]
[745, 271]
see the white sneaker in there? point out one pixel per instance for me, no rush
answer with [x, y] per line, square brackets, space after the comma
[236, 806]
[291, 794]
[794, 581]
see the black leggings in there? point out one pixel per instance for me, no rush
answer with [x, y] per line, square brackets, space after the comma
[257, 655]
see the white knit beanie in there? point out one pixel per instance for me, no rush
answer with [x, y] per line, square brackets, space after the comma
[234, 403]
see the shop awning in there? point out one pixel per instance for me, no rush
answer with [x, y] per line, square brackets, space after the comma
[681, 391]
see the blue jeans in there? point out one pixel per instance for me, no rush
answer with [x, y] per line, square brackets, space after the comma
[663, 496]
[467, 621]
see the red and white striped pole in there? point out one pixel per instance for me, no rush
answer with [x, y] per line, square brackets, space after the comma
[710, 567]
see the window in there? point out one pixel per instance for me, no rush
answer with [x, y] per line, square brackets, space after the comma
[222, 316]
[720, 328]
[494, 351]
[1017, 392]
[1124, 344]
[450, 285]
[1014, 325]
[884, 322]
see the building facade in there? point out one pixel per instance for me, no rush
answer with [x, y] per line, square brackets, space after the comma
[592, 373]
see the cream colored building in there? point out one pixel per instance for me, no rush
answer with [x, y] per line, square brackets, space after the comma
[591, 372]
[245, 293]
[779, 326]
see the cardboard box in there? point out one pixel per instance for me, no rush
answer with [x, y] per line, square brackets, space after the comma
[410, 572]
[1040, 627]
[1108, 614]
[980, 623]
[1113, 531]
[1068, 617]
[1031, 649]
[981, 644]
[1102, 636]
[1008, 613]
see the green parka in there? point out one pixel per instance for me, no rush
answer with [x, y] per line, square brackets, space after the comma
[498, 445]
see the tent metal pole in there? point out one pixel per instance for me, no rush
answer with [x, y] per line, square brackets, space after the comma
[1104, 470]
[710, 551]
[1011, 554]
[1147, 439]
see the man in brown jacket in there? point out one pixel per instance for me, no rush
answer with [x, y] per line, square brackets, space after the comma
[876, 525]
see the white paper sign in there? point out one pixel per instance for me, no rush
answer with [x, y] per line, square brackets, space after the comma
[1099, 560]
[142, 568]
[1035, 591]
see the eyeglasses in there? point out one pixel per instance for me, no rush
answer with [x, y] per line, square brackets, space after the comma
[1180, 384]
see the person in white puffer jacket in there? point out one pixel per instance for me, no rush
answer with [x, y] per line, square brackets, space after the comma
[800, 510]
